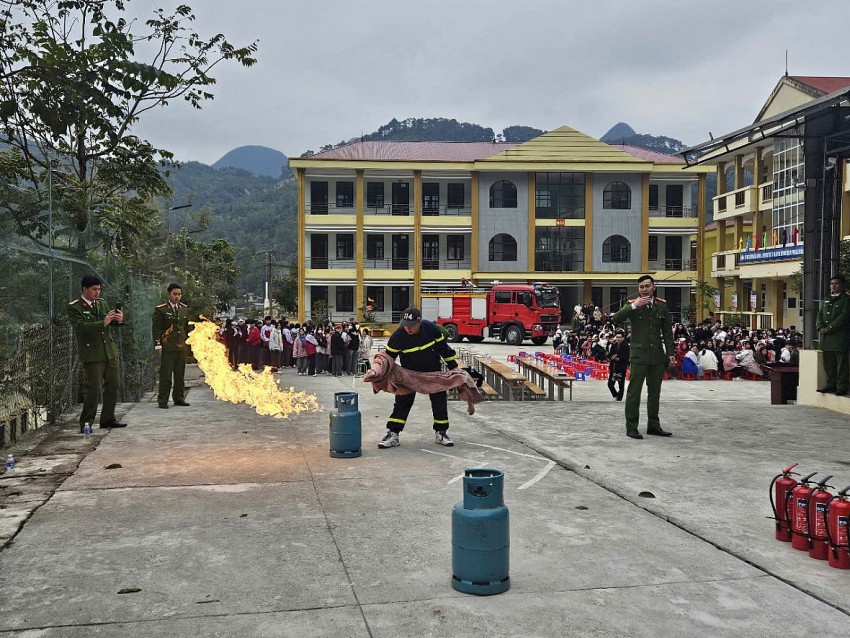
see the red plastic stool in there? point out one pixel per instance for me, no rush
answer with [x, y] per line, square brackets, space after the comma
[708, 375]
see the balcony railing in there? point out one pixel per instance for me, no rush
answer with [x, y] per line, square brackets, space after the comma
[673, 264]
[727, 262]
[672, 211]
[372, 208]
[325, 263]
[767, 193]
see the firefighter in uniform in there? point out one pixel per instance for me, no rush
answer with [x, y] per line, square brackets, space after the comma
[651, 351]
[420, 344]
[833, 323]
[170, 329]
[91, 319]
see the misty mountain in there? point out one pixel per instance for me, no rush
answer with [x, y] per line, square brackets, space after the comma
[259, 160]
[622, 133]
[618, 133]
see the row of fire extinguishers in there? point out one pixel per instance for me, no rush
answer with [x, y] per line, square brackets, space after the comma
[810, 517]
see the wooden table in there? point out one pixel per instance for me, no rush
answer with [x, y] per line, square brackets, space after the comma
[501, 378]
[538, 372]
[784, 377]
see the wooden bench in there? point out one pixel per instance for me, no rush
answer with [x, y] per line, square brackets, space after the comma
[533, 390]
[489, 391]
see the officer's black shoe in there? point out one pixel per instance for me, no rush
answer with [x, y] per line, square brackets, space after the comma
[181, 403]
[841, 393]
[164, 406]
[634, 434]
[659, 432]
[113, 424]
[826, 389]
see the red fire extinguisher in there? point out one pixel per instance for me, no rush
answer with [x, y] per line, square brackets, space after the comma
[780, 486]
[798, 513]
[817, 519]
[837, 517]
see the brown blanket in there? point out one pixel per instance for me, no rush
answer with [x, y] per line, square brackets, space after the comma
[386, 376]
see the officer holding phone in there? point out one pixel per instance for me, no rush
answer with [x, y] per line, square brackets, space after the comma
[170, 329]
[93, 321]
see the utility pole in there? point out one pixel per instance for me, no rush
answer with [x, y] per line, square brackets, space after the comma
[267, 302]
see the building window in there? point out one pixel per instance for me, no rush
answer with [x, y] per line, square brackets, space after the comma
[455, 196]
[616, 249]
[345, 194]
[503, 248]
[559, 249]
[503, 195]
[653, 248]
[788, 198]
[454, 247]
[375, 298]
[345, 298]
[653, 197]
[374, 195]
[430, 198]
[617, 195]
[375, 247]
[559, 196]
[345, 246]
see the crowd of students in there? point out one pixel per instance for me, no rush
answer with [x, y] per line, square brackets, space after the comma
[310, 349]
[729, 351]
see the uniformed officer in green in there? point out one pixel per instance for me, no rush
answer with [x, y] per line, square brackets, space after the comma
[833, 323]
[652, 350]
[92, 320]
[170, 329]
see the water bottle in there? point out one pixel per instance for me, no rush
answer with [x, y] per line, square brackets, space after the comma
[488, 357]
[10, 463]
[87, 430]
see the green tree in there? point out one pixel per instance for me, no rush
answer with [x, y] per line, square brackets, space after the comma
[285, 291]
[72, 86]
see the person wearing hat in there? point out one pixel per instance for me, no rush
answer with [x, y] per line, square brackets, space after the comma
[833, 323]
[651, 350]
[419, 344]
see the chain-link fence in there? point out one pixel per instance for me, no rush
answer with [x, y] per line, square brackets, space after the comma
[40, 374]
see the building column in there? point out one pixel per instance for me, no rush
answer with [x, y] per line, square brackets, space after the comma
[739, 172]
[588, 232]
[532, 220]
[644, 224]
[417, 238]
[587, 293]
[474, 237]
[359, 244]
[778, 304]
[701, 257]
[302, 291]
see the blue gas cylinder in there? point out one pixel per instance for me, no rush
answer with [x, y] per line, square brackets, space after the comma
[481, 535]
[345, 426]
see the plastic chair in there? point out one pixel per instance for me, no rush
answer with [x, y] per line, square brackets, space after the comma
[709, 375]
[511, 358]
[579, 376]
[688, 376]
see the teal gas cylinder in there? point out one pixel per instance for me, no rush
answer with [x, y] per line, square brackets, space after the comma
[345, 426]
[481, 535]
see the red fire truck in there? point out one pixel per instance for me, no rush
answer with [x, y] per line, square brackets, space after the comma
[508, 312]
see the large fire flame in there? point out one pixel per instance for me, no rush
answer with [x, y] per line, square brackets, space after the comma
[257, 389]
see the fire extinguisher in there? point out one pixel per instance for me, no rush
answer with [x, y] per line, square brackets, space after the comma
[837, 516]
[798, 513]
[780, 486]
[817, 519]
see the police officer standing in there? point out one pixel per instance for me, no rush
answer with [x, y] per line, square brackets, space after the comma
[420, 344]
[651, 351]
[170, 329]
[91, 319]
[833, 324]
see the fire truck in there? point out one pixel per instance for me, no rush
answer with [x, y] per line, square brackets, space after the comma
[508, 312]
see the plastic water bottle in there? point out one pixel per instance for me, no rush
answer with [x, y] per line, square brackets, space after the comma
[488, 357]
[10, 463]
[87, 430]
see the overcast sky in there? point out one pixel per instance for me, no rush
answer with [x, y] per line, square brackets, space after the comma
[330, 70]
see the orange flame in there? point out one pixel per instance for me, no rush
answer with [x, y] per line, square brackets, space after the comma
[260, 390]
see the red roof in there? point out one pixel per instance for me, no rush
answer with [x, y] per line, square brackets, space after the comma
[415, 151]
[650, 156]
[827, 85]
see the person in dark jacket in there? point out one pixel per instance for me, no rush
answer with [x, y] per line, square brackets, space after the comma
[353, 349]
[618, 356]
[419, 344]
[338, 348]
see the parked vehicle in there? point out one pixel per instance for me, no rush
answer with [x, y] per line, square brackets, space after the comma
[508, 312]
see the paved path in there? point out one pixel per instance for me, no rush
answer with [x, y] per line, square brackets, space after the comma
[220, 522]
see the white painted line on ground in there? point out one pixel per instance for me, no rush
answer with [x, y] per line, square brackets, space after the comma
[539, 476]
[460, 476]
[451, 456]
[501, 449]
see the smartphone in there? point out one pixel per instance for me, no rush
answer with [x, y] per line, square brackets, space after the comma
[118, 306]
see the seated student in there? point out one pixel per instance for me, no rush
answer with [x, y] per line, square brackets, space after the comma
[689, 363]
[746, 359]
[706, 360]
[730, 364]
